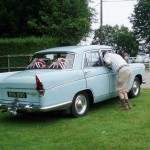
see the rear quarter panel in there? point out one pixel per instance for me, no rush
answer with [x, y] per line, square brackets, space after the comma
[61, 87]
[138, 69]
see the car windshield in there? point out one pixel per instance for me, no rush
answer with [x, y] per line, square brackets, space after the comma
[54, 60]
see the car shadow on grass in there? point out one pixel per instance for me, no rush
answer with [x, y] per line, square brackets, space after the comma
[54, 116]
[110, 103]
[36, 117]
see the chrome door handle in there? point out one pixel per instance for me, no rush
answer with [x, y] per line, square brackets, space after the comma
[87, 71]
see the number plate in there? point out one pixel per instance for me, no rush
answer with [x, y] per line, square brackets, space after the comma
[17, 94]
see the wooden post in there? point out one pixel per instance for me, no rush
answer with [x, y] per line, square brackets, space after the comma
[8, 63]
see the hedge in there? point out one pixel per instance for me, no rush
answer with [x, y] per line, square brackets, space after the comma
[24, 46]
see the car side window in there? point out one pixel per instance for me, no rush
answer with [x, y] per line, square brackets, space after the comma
[92, 59]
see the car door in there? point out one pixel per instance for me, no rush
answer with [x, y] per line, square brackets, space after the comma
[96, 75]
[112, 81]
[112, 77]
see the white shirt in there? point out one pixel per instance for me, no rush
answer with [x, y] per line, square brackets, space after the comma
[116, 60]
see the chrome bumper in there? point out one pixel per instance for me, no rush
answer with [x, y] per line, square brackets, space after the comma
[144, 81]
[15, 106]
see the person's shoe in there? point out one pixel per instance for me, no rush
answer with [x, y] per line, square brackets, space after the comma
[129, 105]
[124, 107]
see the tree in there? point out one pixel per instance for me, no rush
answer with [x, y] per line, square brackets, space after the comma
[107, 33]
[120, 38]
[14, 15]
[141, 22]
[68, 20]
[126, 42]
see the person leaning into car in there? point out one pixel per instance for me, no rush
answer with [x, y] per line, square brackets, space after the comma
[120, 66]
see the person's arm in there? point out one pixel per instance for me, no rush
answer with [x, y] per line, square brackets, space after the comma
[107, 60]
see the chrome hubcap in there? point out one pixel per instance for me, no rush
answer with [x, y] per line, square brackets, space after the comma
[80, 104]
[135, 87]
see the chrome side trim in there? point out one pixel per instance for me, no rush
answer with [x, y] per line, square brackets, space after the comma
[58, 106]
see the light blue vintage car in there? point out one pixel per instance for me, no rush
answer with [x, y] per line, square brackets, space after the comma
[61, 78]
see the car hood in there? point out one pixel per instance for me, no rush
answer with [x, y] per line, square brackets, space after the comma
[49, 78]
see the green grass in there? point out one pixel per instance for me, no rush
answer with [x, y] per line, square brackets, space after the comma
[105, 127]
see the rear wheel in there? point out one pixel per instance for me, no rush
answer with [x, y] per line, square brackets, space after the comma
[135, 91]
[80, 105]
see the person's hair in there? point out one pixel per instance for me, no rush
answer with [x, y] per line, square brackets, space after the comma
[104, 52]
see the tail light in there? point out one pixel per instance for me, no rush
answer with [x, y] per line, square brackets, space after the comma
[39, 86]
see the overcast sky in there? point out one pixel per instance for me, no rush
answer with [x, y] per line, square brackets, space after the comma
[114, 12]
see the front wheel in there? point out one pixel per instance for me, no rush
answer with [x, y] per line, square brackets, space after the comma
[80, 105]
[135, 90]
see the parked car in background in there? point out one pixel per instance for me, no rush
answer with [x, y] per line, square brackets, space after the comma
[71, 77]
[142, 58]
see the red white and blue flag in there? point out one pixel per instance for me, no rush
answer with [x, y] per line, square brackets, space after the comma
[59, 63]
[38, 63]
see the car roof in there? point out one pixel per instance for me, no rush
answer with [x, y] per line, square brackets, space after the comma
[76, 49]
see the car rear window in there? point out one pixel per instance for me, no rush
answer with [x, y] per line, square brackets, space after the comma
[54, 60]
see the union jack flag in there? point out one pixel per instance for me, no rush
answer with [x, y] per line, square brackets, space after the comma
[38, 63]
[59, 63]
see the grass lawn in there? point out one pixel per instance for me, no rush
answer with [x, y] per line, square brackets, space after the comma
[105, 127]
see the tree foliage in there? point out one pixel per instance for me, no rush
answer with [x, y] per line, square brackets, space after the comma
[14, 15]
[68, 20]
[141, 22]
[120, 38]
